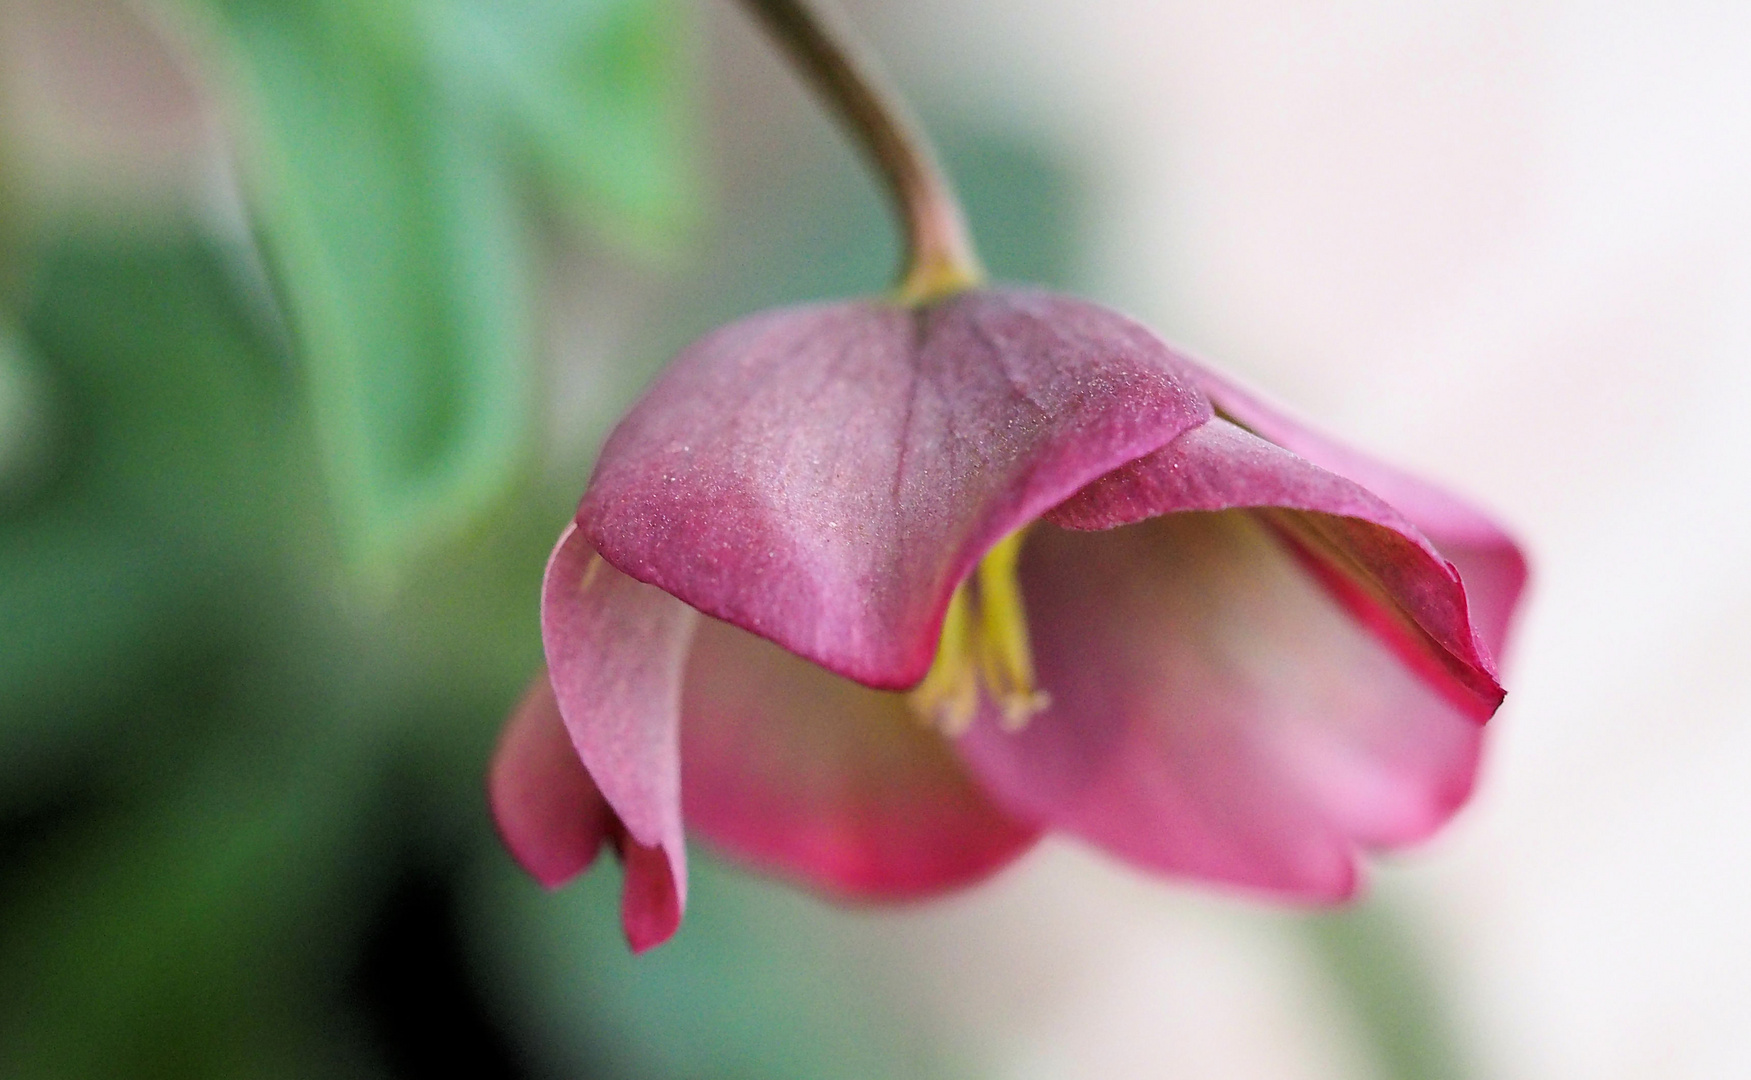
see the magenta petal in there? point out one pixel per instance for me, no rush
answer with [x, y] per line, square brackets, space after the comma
[1372, 559]
[547, 808]
[824, 476]
[653, 896]
[799, 772]
[1491, 563]
[615, 653]
[1215, 713]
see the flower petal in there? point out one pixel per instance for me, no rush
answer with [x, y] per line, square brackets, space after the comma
[1215, 713]
[547, 808]
[615, 652]
[1371, 559]
[824, 476]
[808, 775]
[1489, 561]
[654, 894]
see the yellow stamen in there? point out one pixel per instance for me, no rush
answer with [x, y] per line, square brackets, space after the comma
[984, 646]
[949, 694]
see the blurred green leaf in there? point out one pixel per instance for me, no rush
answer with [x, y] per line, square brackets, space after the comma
[597, 91]
[25, 420]
[387, 143]
[181, 939]
[181, 681]
[386, 213]
[174, 480]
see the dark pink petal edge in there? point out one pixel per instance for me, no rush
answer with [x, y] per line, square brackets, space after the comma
[1489, 560]
[1371, 557]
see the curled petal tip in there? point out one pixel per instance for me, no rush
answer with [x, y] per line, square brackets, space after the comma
[652, 898]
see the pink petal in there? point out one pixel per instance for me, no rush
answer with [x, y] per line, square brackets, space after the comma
[654, 895]
[1372, 560]
[824, 476]
[1489, 561]
[615, 651]
[1215, 713]
[805, 774]
[547, 808]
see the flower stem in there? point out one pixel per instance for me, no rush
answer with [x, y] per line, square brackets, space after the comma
[939, 258]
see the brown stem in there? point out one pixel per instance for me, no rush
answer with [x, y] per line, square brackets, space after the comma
[939, 259]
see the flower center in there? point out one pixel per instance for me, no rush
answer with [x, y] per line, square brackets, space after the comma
[984, 647]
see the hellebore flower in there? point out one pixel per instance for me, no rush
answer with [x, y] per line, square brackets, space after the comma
[979, 568]
[974, 564]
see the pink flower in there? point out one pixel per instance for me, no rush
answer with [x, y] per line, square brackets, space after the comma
[1155, 613]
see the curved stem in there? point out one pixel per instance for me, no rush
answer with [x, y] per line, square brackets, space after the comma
[939, 259]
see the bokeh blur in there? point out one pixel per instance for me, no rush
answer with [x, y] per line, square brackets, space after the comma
[313, 314]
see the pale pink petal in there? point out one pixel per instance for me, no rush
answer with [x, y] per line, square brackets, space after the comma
[1488, 559]
[802, 773]
[615, 653]
[824, 476]
[1216, 714]
[548, 810]
[1375, 562]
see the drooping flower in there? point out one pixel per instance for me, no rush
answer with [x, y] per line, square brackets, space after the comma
[871, 594]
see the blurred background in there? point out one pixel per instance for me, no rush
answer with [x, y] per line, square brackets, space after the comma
[313, 314]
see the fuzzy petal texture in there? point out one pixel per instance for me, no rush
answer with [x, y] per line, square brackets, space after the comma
[1491, 563]
[797, 771]
[1215, 713]
[615, 655]
[547, 808]
[824, 476]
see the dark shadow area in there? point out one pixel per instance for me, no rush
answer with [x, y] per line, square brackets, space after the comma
[28, 834]
[415, 991]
